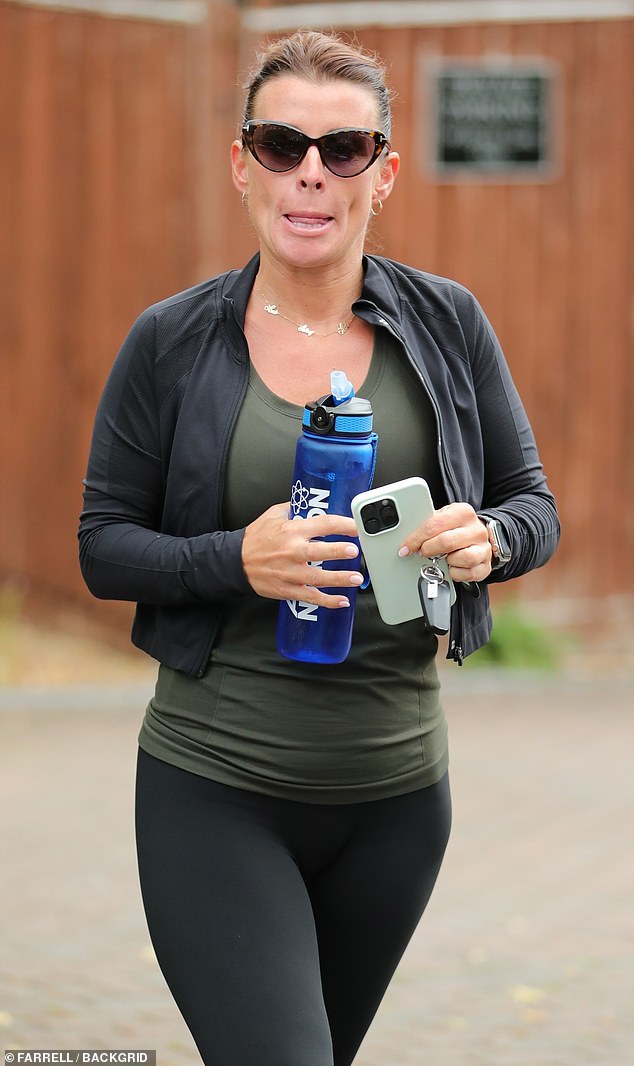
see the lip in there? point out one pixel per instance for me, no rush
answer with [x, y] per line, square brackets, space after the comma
[308, 223]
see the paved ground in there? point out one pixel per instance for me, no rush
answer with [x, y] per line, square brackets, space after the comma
[524, 957]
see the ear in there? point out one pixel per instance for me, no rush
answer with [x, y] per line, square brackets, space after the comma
[387, 171]
[239, 168]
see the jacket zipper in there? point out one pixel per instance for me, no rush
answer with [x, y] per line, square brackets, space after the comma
[455, 643]
[222, 465]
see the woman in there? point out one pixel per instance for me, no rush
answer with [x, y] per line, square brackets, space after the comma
[292, 818]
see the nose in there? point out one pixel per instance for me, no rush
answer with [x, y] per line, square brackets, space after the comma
[310, 172]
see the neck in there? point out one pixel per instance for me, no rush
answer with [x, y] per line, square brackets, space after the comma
[318, 298]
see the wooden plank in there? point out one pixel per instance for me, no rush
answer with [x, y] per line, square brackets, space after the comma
[609, 407]
[473, 214]
[149, 208]
[222, 233]
[390, 233]
[597, 257]
[52, 558]
[554, 297]
[99, 335]
[11, 375]
[522, 272]
[414, 211]
[34, 265]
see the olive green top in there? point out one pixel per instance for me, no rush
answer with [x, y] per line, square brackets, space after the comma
[364, 729]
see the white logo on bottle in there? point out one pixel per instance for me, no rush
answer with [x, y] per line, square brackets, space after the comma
[315, 502]
[305, 612]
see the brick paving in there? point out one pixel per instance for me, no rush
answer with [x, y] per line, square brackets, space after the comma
[524, 957]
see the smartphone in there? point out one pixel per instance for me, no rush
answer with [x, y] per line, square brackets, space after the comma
[385, 516]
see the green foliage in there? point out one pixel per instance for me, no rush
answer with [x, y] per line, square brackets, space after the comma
[518, 642]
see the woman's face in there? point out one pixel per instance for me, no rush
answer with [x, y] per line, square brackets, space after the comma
[309, 217]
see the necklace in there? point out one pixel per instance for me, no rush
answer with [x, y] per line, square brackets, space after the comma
[302, 327]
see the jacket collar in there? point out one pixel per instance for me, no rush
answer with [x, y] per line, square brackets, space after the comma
[378, 289]
[237, 288]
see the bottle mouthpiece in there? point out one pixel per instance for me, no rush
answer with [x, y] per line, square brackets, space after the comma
[341, 389]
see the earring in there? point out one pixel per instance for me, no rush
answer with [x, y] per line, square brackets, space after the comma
[380, 208]
[244, 199]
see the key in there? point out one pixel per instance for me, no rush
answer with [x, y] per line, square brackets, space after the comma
[435, 598]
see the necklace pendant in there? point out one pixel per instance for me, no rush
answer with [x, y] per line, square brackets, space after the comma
[342, 328]
[271, 309]
[305, 329]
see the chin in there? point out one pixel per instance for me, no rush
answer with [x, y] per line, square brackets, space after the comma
[310, 257]
[314, 252]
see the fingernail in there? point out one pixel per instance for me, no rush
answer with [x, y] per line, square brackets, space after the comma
[404, 551]
[356, 579]
[343, 603]
[352, 550]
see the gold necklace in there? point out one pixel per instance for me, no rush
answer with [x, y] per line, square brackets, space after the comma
[302, 327]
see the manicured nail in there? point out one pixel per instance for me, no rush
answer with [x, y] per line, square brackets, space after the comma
[404, 551]
[352, 551]
[343, 602]
[356, 579]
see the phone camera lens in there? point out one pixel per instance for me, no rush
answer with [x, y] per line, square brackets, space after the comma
[370, 519]
[389, 517]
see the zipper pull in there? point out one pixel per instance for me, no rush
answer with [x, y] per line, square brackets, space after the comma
[456, 653]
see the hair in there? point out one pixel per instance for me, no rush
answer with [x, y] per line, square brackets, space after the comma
[321, 57]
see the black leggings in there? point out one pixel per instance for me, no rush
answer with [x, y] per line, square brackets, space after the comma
[278, 925]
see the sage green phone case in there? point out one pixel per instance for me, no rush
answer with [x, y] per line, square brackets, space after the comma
[406, 504]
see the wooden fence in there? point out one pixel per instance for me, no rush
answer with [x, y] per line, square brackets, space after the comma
[116, 187]
[552, 263]
[115, 136]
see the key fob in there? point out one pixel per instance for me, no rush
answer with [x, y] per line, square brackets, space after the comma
[435, 598]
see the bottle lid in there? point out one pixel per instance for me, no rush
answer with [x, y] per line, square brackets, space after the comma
[340, 387]
[340, 413]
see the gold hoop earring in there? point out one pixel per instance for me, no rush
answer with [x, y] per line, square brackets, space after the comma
[380, 208]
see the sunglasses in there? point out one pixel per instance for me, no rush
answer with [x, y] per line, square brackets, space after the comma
[345, 153]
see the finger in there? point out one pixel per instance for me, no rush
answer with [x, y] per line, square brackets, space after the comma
[318, 551]
[469, 538]
[428, 532]
[320, 578]
[433, 547]
[278, 510]
[314, 594]
[475, 573]
[452, 515]
[430, 538]
[325, 525]
[470, 564]
[470, 557]
[444, 544]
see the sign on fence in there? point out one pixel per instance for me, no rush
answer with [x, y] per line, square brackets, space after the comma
[489, 120]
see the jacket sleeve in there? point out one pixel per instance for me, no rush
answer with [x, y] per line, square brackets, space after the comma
[123, 553]
[515, 489]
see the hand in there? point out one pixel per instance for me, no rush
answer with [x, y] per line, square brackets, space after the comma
[456, 532]
[281, 559]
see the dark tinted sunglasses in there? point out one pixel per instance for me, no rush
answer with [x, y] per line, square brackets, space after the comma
[346, 152]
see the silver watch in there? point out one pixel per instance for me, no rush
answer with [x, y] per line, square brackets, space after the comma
[500, 547]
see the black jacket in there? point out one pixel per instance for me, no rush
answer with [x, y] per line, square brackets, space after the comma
[151, 529]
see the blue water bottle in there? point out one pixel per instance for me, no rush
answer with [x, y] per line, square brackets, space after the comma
[334, 461]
